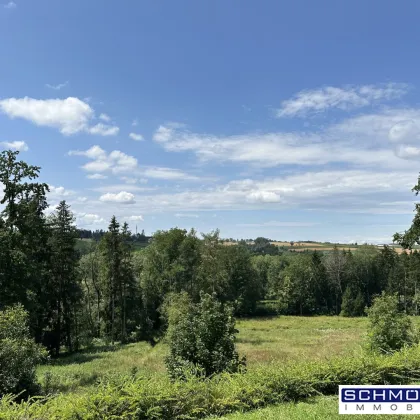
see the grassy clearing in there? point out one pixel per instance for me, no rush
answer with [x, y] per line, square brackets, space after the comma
[317, 409]
[263, 341]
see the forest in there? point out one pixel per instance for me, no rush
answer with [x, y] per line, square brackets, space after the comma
[64, 301]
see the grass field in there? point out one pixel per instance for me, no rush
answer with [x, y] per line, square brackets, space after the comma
[322, 408]
[262, 341]
[265, 342]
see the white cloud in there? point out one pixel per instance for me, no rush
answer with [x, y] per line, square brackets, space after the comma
[105, 117]
[119, 187]
[96, 176]
[116, 161]
[363, 141]
[167, 173]
[333, 190]
[69, 116]
[136, 137]
[104, 130]
[163, 134]
[122, 197]
[135, 123]
[263, 196]
[187, 215]
[138, 218]
[15, 145]
[343, 98]
[10, 5]
[57, 192]
[277, 224]
[57, 87]
[87, 219]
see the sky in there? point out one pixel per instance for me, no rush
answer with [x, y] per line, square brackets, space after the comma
[292, 120]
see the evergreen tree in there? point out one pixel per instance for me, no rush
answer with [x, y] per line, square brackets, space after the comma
[24, 254]
[111, 276]
[64, 282]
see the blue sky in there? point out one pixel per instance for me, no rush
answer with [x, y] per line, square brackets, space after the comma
[291, 120]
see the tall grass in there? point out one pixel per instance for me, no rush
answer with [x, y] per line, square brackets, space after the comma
[134, 397]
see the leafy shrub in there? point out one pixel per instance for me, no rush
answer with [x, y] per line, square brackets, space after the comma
[19, 354]
[201, 338]
[390, 329]
[134, 397]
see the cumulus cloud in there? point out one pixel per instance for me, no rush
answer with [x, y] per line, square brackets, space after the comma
[136, 137]
[59, 192]
[163, 134]
[343, 98]
[122, 197]
[96, 176]
[116, 161]
[104, 130]
[264, 196]
[87, 219]
[69, 116]
[57, 87]
[15, 145]
[138, 218]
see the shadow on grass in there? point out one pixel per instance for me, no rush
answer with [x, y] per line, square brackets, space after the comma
[84, 355]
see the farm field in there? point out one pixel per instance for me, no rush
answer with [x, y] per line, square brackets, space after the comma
[285, 338]
[319, 246]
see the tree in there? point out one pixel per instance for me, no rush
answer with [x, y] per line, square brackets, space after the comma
[66, 294]
[19, 354]
[390, 329]
[201, 337]
[335, 266]
[111, 275]
[24, 251]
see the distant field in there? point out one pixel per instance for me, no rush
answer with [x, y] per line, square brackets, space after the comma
[318, 246]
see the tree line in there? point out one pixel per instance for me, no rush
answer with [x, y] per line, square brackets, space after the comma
[113, 293]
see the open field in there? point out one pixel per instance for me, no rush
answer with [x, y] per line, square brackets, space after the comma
[262, 341]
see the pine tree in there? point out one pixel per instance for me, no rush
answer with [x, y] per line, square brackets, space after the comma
[24, 254]
[111, 262]
[65, 292]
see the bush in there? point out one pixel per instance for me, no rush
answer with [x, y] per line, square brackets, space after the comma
[201, 338]
[19, 354]
[129, 397]
[390, 329]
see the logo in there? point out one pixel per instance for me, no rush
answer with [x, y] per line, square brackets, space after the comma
[379, 399]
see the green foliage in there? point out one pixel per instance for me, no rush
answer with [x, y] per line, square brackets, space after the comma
[137, 397]
[353, 304]
[201, 338]
[65, 292]
[19, 354]
[390, 329]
